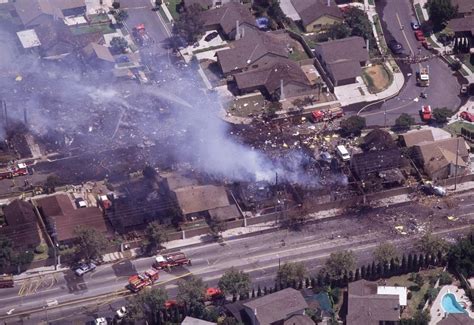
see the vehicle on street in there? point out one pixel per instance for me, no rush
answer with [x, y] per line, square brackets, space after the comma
[211, 36]
[139, 281]
[140, 35]
[167, 261]
[343, 153]
[80, 203]
[423, 77]
[213, 294]
[326, 115]
[84, 268]
[427, 45]
[121, 312]
[415, 25]
[6, 281]
[420, 36]
[426, 113]
[467, 116]
[429, 189]
[100, 321]
[396, 47]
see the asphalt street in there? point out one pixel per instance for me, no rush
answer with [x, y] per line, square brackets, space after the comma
[444, 86]
[260, 256]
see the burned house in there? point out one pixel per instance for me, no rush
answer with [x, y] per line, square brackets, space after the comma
[21, 225]
[98, 56]
[62, 218]
[379, 167]
[193, 201]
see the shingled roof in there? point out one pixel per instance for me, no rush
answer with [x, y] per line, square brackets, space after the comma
[462, 25]
[311, 10]
[457, 319]
[465, 7]
[101, 52]
[22, 224]
[248, 50]
[227, 17]
[30, 10]
[417, 137]
[277, 306]
[201, 198]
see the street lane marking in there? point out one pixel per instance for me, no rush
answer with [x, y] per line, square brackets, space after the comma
[388, 110]
[404, 35]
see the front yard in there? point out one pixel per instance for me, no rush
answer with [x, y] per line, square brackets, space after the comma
[247, 106]
[377, 78]
[173, 8]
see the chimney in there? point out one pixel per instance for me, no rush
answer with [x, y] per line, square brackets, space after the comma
[282, 92]
[237, 30]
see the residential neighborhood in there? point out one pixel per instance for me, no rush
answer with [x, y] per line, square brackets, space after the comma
[237, 162]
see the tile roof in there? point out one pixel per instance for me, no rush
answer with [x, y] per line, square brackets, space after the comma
[201, 198]
[417, 137]
[227, 16]
[277, 306]
[311, 10]
[248, 50]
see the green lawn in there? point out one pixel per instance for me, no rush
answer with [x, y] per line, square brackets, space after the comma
[455, 128]
[172, 6]
[378, 28]
[371, 2]
[298, 55]
[419, 13]
[467, 62]
[101, 28]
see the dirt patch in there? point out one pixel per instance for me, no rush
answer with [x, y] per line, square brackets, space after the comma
[377, 78]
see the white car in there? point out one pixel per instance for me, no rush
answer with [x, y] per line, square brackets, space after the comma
[84, 268]
[121, 312]
[100, 321]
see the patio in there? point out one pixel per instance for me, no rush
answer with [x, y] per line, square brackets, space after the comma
[437, 312]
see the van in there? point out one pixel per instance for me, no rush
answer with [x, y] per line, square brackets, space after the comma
[343, 153]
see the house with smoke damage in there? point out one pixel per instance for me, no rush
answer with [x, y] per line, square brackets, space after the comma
[196, 201]
[98, 56]
[232, 20]
[36, 12]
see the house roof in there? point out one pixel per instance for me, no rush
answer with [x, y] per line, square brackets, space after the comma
[401, 292]
[344, 69]
[438, 154]
[29, 10]
[19, 213]
[270, 73]
[464, 6]
[417, 137]
[367, 163]
[28, 38]
[462, 25]
[227, 17]
[248, 50]
[59, 208]
[176, 180]
[299, 320]
[195, 321]
[99, 51]
[366, 307]
[194, 199]
[311, 10]
[225, 213]
[22, 224]
[457, 319]
[277, 306]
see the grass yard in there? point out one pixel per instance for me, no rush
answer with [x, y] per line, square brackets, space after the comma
[102, 28]
[419, 13]
[378, 28]
[377, 78]
[298, 55]
[455, 128]
[467, 62]
[247, 106]
[172, 7]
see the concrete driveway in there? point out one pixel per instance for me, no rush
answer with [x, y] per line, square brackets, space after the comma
[444, 86]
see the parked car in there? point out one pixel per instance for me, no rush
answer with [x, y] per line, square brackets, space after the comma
[325, 156]
[467, 116]
[415, 25]
[84, 268]
[80, 203]
[211, 36]
[121, 312]
[396, 47]
[427, 45]
[420, 36]
[430, 189]
[100, 321]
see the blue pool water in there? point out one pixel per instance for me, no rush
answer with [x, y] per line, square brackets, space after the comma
[450, 305]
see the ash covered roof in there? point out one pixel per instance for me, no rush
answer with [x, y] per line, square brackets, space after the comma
[22, 224]
[201, 198]
[225, 213]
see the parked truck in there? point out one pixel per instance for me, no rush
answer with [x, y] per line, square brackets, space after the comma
[426, 113]
[140, 35]
[167, 261]
[327, 115]
[6, 281]
[423, 77]
[139, 281]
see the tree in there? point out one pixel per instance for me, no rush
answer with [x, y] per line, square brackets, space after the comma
[120, 16]
[360, 24]
[384, 253]
[52, 181]
[338, 31]
[149, 172]
[147, 306]
[290, 272]
[378, 140]
[91, 244]
[445, 278]
[404, 122]
[430, 244]
[446, 36]
[6, 253]
[441, 115]
[190, 25]
[155, 235]
[234, 282]
[440, 11]
[352, 125]
[461, 256]
[118, 45]
[340, 263]
[191, 293]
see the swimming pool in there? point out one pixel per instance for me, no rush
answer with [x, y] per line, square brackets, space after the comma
[450, 304]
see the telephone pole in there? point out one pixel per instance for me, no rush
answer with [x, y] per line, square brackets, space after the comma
[456, 167]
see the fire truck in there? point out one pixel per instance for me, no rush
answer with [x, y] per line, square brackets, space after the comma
[139, 281]
[11, 171]
[327, 115]
[423, 77]
[426, 113]
[213, 294]
[140, 35]
[167, 261]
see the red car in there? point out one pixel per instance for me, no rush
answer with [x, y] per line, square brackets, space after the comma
[420, 36]
[426, 45]
[467, 116]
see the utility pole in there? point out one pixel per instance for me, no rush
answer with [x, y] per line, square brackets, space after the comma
[456, 167]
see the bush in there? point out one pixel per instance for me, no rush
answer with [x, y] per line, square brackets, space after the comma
[445, 278]
[419, 280]
[414, 288]
[353, 125]
[456, 66]
[409, 295]
[40, 249]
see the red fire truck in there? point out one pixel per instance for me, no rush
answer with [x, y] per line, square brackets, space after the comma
[139, 281]
[426, 113]
[327, 115]
[213, 294]
[167, 261]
